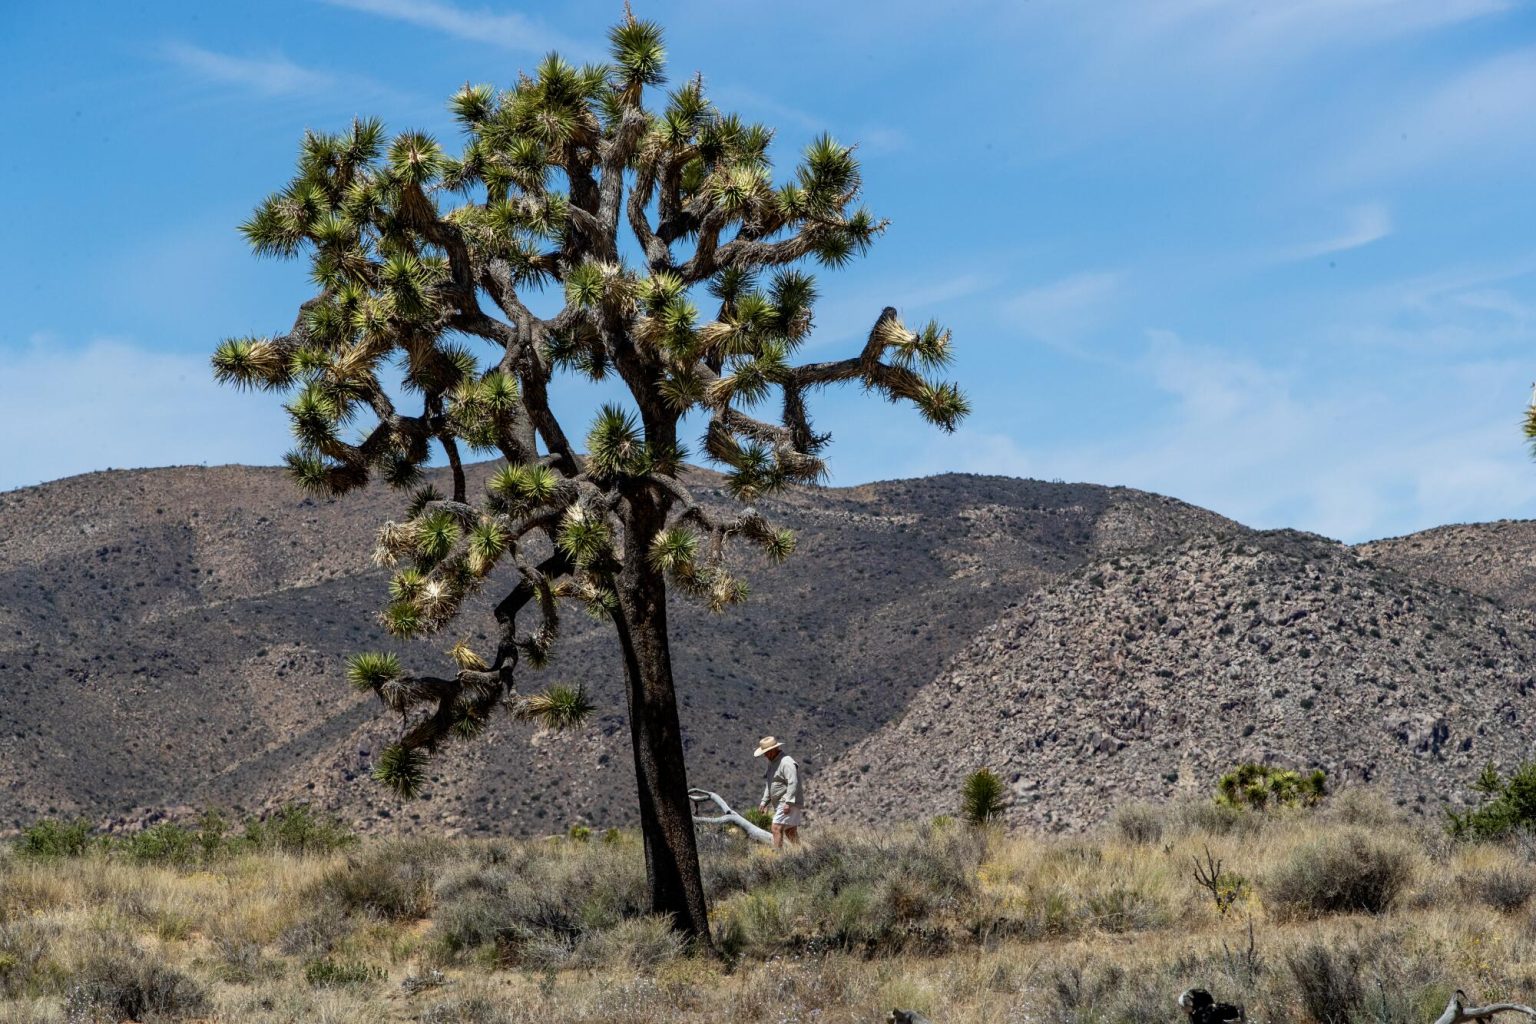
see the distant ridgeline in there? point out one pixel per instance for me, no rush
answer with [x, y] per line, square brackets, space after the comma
[167, 637]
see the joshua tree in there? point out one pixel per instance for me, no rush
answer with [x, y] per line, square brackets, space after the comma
[424, 264]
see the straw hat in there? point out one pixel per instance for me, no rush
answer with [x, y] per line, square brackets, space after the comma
[766, 744]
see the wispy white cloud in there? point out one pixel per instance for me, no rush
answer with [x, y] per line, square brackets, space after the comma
[1105, 68]
[115, 403]
[508, 31]
[1480, 116]
[1366, 224]
[268, 76]
[276, 77]
[1060, 312]
[1452, 313]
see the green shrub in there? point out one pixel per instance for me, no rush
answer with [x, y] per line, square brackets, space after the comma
[53, 838]
[759, 817]
[298, 829]
[165, 843]
[213, 834]
[579, 834]
[874, 894]
[982, 797]
[1261, 787]
[392, 882]
[1509, 805]
[328, 973]
[1348, 874]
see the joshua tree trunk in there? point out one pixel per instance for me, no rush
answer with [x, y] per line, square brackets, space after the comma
[666, 813]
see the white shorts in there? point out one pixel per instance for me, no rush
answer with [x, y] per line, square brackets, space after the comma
[788, 814]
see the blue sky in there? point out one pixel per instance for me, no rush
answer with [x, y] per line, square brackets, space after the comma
[1275, 259]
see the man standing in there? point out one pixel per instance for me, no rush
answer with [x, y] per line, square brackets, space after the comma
[781, 792]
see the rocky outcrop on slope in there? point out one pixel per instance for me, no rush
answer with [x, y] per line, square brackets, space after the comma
[1145, 676]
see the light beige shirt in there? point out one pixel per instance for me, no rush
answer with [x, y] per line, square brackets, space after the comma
[783, 783]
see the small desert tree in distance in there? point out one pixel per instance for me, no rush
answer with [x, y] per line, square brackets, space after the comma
[422, 337]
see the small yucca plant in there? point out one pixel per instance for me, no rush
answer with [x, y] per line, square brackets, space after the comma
[1261, 786]
[982, 798]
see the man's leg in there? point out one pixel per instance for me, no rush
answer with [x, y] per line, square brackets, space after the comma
[792, 833]
[778, 836]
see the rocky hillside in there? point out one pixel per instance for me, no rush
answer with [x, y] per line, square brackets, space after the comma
[1147, 675]
[1497, 560]
[176, 638]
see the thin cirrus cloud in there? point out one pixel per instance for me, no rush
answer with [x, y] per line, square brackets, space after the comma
[1480, 116]
[507, 31]
[267, 76]
[1366, 224]
[276, 78]
[1230, 56]
[1060, 312]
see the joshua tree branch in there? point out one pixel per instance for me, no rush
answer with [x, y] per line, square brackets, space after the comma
[615, 157]
[657, 254]
[1456, 1011]
[727, 816]
[451, 447]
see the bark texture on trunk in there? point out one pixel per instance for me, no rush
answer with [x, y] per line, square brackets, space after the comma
[666, 813]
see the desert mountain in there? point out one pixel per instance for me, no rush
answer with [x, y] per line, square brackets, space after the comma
[1146, 675]
[176, 638]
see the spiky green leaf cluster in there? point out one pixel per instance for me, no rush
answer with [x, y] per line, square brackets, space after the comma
[615, 444]
[559, 707]
[525, 486]
[483, 409]
[488, 541]
[370, 670]
[585, 535]
[983, 797]
[402, 770]
[436, 534]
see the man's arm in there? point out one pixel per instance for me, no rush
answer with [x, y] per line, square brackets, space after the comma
[791, 781]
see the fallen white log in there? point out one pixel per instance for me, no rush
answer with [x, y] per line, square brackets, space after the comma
[1457, 1010]
[726, 816]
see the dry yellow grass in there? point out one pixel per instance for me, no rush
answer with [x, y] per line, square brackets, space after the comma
[1009, 928]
